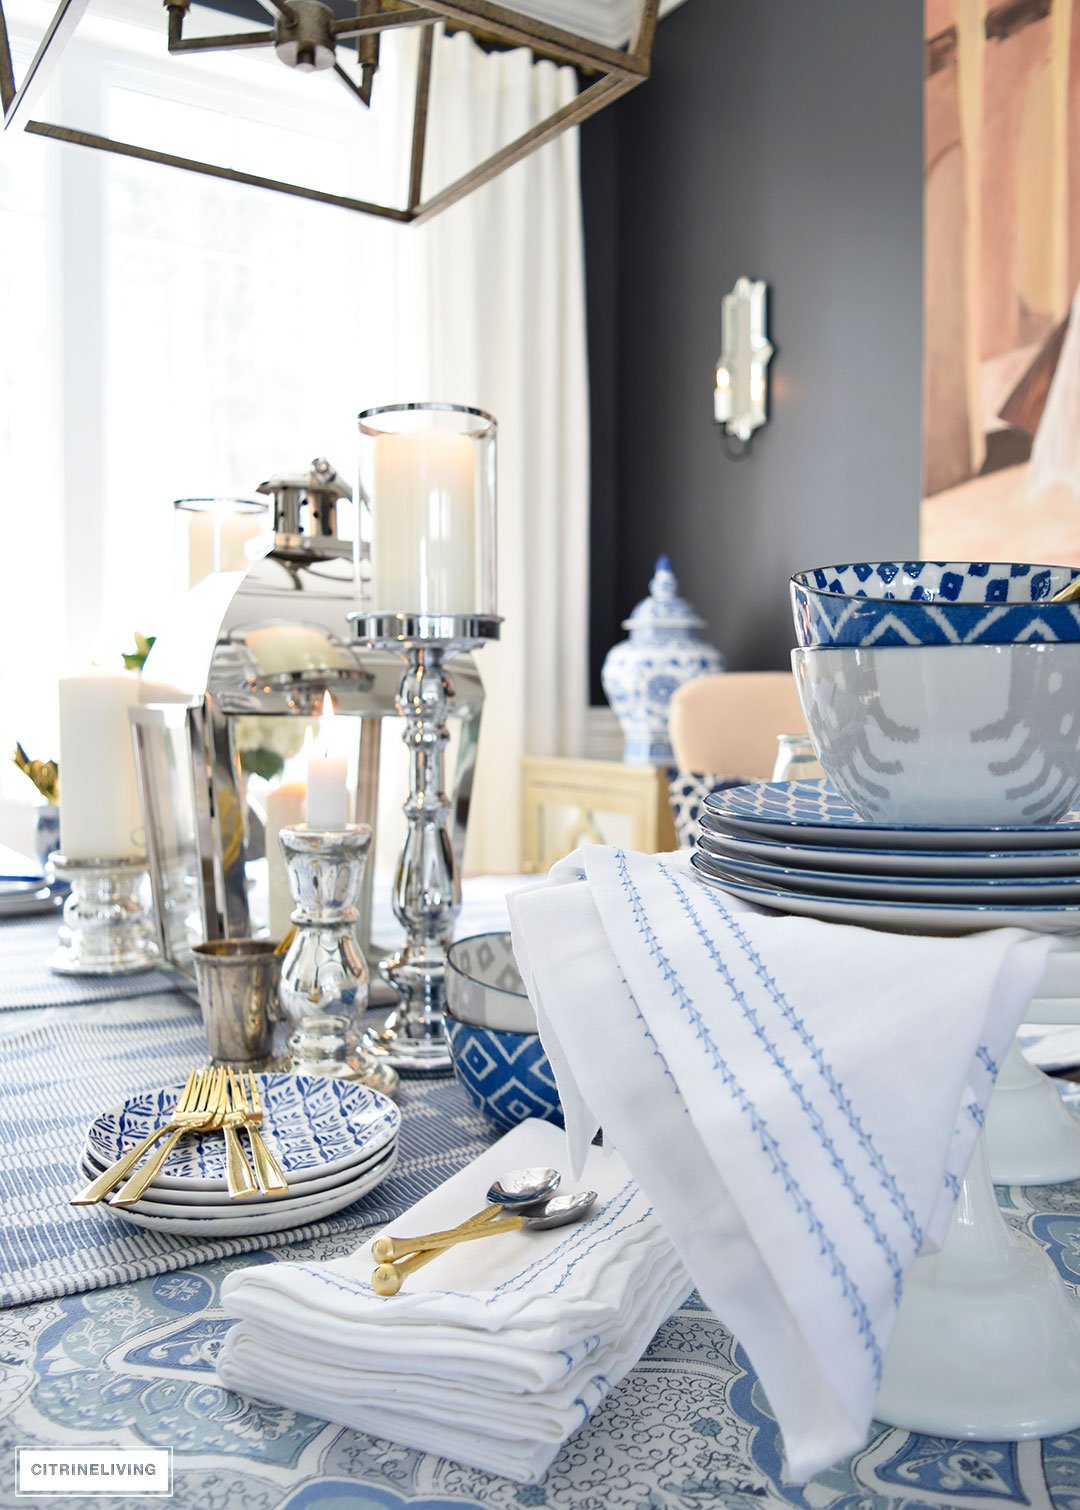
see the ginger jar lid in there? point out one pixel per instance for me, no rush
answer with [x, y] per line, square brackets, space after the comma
[663, 608]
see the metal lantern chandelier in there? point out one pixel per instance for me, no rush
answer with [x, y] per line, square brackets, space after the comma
[312, 36]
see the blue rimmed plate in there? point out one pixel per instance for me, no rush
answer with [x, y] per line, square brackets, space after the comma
[899, 917]
[813, 812]
[970, 864]
[879, 886]
[313, 1124]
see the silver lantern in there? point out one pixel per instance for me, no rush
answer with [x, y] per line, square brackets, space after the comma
[229, 690]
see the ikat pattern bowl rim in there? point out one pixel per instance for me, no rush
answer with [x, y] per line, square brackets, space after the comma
[507, 1081]
[946, 603]
[971, 571]
[315, 1124]
[481, 1001]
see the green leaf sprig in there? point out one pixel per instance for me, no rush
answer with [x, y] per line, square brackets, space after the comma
[45, 774]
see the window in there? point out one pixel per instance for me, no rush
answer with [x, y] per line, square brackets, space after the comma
[166, 334]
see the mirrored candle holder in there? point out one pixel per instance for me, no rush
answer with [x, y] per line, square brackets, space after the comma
[426, 568]
[324, 977]
[107, 927]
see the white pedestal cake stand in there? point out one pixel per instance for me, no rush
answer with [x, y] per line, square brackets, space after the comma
[987, 1339]
[1031, 1136]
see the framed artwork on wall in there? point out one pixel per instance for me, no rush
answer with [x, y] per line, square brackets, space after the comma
[1002, 268]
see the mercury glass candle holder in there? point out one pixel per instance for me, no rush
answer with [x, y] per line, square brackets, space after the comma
[107, 928]
[324, 978]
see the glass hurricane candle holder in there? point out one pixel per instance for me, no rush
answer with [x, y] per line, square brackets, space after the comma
[212, 535]
[426, 537]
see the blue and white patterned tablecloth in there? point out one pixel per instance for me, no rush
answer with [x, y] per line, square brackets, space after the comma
[132, 1364]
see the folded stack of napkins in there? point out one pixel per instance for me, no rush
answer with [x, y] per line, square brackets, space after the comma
[491, 1355]
[798, 1100]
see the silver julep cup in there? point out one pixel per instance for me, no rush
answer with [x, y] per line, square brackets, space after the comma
[238, 982]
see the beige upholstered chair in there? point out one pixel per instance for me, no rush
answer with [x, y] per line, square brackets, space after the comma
[727, 725]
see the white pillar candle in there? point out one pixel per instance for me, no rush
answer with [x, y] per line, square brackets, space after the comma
[327, 790]
[100, 818]
[284, 806]
[423, 527]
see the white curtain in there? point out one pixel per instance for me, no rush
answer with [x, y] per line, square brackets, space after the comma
[500, 298]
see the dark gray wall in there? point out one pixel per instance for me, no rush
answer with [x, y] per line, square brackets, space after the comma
[781, 139]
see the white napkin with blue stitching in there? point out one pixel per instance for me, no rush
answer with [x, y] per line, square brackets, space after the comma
[492, 1355]
[798, 1100]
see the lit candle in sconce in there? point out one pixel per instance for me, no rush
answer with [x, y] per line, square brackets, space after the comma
[723, 399]
[327, 790]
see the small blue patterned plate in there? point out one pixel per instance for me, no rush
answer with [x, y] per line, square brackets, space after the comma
[314, 1124]
[813, 812]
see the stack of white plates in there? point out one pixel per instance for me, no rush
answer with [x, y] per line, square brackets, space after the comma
[334, 1140]
[797, 846]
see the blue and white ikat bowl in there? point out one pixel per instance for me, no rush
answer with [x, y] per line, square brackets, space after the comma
[896, 603]
[985, 735]
[491, 1027]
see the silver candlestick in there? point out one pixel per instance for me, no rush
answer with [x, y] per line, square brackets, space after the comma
[427, 885]
[324, 978]
[107, 929]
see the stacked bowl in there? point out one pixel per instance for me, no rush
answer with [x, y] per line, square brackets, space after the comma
[943, 700]
[491, 1028]
[942, 692]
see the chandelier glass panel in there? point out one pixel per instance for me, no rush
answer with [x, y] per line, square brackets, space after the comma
[354, 103]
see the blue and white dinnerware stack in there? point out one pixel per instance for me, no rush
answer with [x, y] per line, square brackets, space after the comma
[492, 1355]
[941, 698]
[334, 1140]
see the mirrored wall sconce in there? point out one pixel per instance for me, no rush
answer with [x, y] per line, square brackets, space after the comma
[740, 400]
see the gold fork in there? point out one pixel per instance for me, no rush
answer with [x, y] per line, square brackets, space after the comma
[268, 1171]
[237, 1168]
[98, 1189]
[198, 1116]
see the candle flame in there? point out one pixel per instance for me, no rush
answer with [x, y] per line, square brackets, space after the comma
[327, 719]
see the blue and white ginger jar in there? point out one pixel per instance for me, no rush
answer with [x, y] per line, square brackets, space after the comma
[640, 674]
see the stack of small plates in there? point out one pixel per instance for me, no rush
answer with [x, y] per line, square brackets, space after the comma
[798, 847]
[334, 1139]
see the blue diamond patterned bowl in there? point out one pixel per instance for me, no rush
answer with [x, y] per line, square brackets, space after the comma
[491, 1028]
[893, 603]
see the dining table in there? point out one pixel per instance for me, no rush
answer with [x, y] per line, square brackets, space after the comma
[108, 1333]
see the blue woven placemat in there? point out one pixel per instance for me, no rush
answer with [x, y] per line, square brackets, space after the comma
[59, 1075]
[27, 981]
